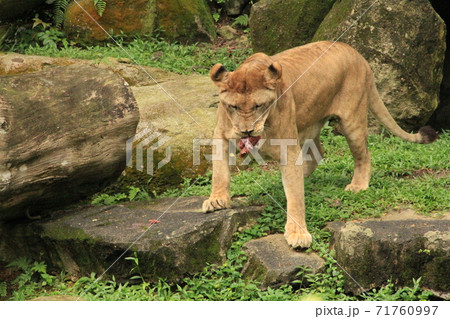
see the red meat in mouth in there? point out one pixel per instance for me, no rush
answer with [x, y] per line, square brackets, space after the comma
[246, 144]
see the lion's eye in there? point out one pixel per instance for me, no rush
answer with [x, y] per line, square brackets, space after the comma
[234, 107]
[258, 106]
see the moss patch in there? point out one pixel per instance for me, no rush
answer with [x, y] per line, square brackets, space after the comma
[340, 11]
[59, 231]
[185, 20]
[279, 25]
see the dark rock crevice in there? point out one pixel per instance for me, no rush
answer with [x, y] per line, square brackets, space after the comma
[440, 119]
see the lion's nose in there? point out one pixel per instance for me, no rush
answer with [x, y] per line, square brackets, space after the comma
[247, 132]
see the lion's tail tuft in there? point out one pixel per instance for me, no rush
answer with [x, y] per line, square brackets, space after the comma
[428, 135]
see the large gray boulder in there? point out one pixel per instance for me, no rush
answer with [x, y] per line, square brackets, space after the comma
[401, 247]
[277, 25]
[11, 9]
[404, 43]
[172, 237]
[63, 134]
[179, 110]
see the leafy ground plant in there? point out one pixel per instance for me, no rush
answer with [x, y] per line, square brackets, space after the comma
[134, 194]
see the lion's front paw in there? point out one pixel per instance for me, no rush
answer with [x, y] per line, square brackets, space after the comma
[215, 203]
[356, 188]
[298, 238]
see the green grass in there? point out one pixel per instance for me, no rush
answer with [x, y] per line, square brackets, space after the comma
[150, 51]
[394, 185]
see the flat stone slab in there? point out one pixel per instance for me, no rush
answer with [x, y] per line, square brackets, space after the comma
[401, 247]
[171, 236]
[273, 263]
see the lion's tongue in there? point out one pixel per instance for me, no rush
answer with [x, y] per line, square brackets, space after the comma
[246, 144]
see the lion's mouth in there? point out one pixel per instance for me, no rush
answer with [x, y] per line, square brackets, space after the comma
[246, 144]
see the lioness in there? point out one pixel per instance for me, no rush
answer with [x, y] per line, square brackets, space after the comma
[290, 96]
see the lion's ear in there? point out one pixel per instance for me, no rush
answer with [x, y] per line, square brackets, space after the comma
[218, 74]
[272, 75]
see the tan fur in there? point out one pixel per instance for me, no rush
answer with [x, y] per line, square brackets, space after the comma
[339, 84]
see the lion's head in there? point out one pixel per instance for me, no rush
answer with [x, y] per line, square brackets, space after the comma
[248, 93]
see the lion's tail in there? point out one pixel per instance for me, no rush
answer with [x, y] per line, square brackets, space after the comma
[425, 135]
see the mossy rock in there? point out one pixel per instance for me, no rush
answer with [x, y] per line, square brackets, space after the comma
[130, 18]
[187, 21]
[375, 251]
[277, 25]
[404, 43]
[191, 117]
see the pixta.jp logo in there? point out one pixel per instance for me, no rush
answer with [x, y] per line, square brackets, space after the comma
[147, 141]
